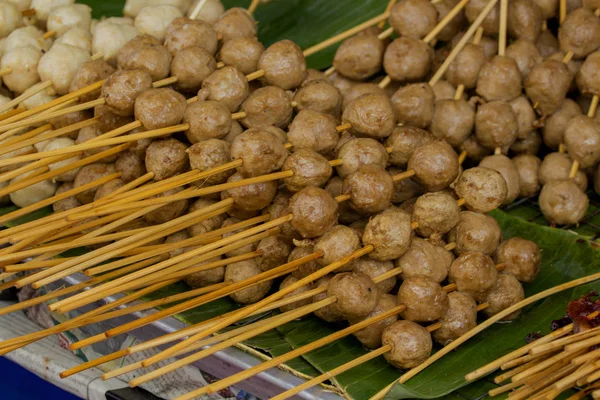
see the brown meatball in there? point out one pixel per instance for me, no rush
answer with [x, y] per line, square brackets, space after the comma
[373, 269]
[435, 213]
[530, 145]
[207, 120]
[526, 118]
[275, 251]
[407, 59]
[267, 106]
[89, 133]
[582, 138]
[464, 70]
[339, 242]
[435, 165]
[130, 165]
[521, 258]
[525, 54]
[206, 277]
[413, 105]
[309, 168]
[160, 108]
[359, 57]
[346, 213]
[235, 23]
[327, 313]
[356, 294]
[491, 23]
[154, 59]
[425, 259]
[260, 151]
[108, 120]
[359, 152]
[67, 203]
[252, 197]
[455, 25]
[122, 88]
[191, 32]
[547, 85]
[358, 89]
[176, 238]
[243, 270]
[580, 33]
[370, 336]
[90, 72]
[370, 115]
[283, 64]
[506, 167]
[556, 124]
[557, 166]
[370, 188]
[227, 85]
[135, 44]
[453, 121]
[89, 173]
[588, 77]
[499, 79]
[425, 300]
[474, 273]
[460, 318]
[403, 141]
[207, 155]
[413, 18]
[524, 20]
[169, 211]
[240, 250]
[483, 189]
[528, 167]
[166, 158]
[65, 120]
[443, 90]
[549, 8]
[288, 281]
[476, 233]
[496, 125]
[191, 66]
[314, 211]
[313, 130]
[308, 267]
[319, 95]
[389, 233]
[235, 131]
[563, 202]
[475, 151]
[547, 43]
[242, 53]
[410, 344]
[507, 292]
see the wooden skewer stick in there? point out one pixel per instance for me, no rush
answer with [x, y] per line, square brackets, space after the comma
[197, 9]
[562, 11]
[253, 5]
[558, 343]
[503, 25]
[591, 113]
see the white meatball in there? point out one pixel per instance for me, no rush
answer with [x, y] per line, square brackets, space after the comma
[19, 152]
[40, 146]
[210, 11]
[77, 37]
[32, 194]
[109, 37]
[37, 99]
[24, 64]
[133, 7]
[62, 19]
[4, 100]
[153, 20]
[27, 36]
[63, 143]
[22, 5]
[43, 8]
[10, 18]
[60, 65]
[2, 46]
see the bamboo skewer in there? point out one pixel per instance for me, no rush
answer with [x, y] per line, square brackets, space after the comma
[32, 91]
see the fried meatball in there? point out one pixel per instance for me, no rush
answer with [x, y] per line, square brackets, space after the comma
[580, 33]
[130, 165]
[483, 189]
[475, 151]
[108, 120]
[506, 167]
[499, 79]
[188, 33]
[556, 124]
[319, 95]
[547, 43]
[169, 211]
[370, 115]
[413, 105]
[529, 145]
[474, 273]
[526, 118]
[370, 336]
[453, 121]
[207, 120]
[260, 150]
[154, 59]
[464, 70]
[547, 85]
[275, 251]
[588, 77]
[122, 88]
[192, 66]
[160, 108]
[557, 166]
[582, 138]
[241, 271]
[358, 89]
[525, 54]
[86, 134]
[476, 233]
[413, 18]
[252, 197]
[506, 292]
[373, 269]
[425, 259]
[314, 211]
[425, 300]
[240, 250]
[89, 173]
[521, 258]
[403, 141]
[308, 267]
[288, 281]
[313, 130]
[283, 64]
[359, 152]
[267, 106]
[176, 238]
[435, 213]
[359, 57]
[410, 344]
[390, 233]
[206, 277]
[491, 22]
[235, 23]
[166, 158]
[228, 86]
[207, 155]
[563, 202]
[346, 213]
[404, 189]
[528, 167]
[496, 125]
[435, 165]
[135, 44]
[524, 20]
[407, 59]
[339, 242]
[455, 25]
[88, 73]
[443, 90]
[309, 168]
[356, 294]
[370, 188]
[327, 313]
[242, 53]
[64, 204]
[459, 318]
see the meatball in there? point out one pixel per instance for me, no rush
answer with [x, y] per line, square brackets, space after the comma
[525, 54]
[370, 336]
[483, 189]
[464, 70]
[308, 267]
[491, 22]
[184, 32]
[443, 90]
[582, 138]
[319, 95]
[521, 258]
[525, 116]
[192, 66]
[460, 318]
[166, 158]
[228, 86]
[155, 19]
[154, 59]
[60, 65]
[356, 294]
[435, 165]
[169, 211]
[425, 300]
[134, 45]
[507, 292]
[251, 197]
[88, 73]
[110, 37]
[206, 277]
[588, 79]
[275, 251]
[359, 152]
[528, 167]
[283, 64]
[339, 242]
[556, 124]
[87, 173]
[130, 165]
[410, 344]
[207, 155]
[240, 271]
[373, 269]
[475, 151]
[260, 151]
[235, 23]
[108, 120]
[346, 213]
[370, 115]
[499, 79]
[407, 59]
[474, 273]
[314, 211]
[547, 43]
[563, 202]
[327, 313]
[64, 204]
[529, 145]
[389, 233]
[160, 108]
[370, 188]
[267, 106]
[507, 168]
[557, 166]
[547, 85]
[426, 260]
[23, 63]
[10, 18]
[580, 33]
[524, 20]
[443, 8]
[240, 250]
[413, 105]
[359, 57]
[207, 120]
[403, 142]
[62, 143]
[242, 53]
[358, 89]
[435, 213]
[122, 88]
[313, 130]
[288, 281]
[476, 233]
[413, 18]
[453, 121]
[309, 168]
